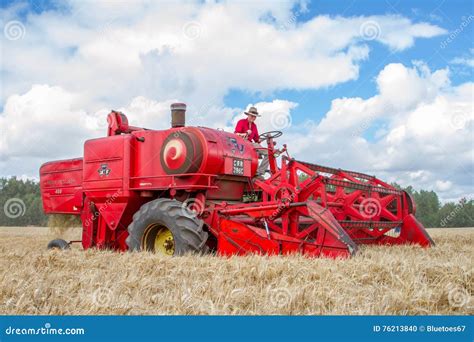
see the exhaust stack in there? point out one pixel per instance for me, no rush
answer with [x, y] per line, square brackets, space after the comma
[178, 114]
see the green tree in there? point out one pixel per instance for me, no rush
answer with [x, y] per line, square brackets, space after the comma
[427, 207]
[459, 214]
[20, 203]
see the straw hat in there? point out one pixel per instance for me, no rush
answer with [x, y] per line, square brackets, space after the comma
[252, 111]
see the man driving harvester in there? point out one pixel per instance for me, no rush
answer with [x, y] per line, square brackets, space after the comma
[247, 129]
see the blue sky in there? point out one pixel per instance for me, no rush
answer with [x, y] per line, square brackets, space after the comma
[447, 14]
[396, 100]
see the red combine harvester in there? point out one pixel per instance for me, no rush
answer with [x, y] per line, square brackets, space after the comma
[193, 189]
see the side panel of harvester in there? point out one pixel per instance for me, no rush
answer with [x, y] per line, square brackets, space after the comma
[61, 186]
[106, 188]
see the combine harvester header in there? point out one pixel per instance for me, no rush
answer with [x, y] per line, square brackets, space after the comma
[193, 189]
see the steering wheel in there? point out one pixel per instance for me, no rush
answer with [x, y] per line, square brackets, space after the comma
[270, 135]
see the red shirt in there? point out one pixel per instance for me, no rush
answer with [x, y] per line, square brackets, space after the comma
[243, 126]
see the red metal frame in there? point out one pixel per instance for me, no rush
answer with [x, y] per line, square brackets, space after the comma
[301, 208]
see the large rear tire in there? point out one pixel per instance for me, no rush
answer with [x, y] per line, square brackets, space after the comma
[165, 227]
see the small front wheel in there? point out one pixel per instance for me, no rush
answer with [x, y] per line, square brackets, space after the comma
[58, 244]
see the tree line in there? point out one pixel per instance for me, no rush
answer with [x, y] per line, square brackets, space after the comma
[432, 213]
[20, 205]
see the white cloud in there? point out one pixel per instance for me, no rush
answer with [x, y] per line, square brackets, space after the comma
[193, 51]
[72, 67]
[427, 139]
[443, 185]
[464, 61]
[49, 123]
[40, 121]
[426, 142]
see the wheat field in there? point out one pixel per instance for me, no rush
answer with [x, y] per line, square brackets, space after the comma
[402, 280]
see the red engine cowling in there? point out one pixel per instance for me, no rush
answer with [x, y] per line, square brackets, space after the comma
[196, 150]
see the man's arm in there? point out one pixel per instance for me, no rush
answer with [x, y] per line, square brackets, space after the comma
[257, 136]
[240, 129]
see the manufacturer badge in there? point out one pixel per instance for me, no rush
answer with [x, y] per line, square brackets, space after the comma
[104, 170]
